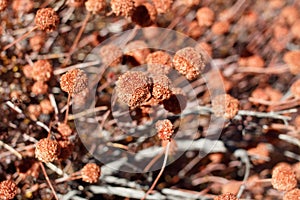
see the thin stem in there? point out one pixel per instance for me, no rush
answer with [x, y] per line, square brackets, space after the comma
[161, 171]
[11, 149]
[48, 180]
[19, 39]
[68, 107]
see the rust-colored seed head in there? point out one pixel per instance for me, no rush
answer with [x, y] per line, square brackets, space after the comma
[189, 62]
[34, 111]
[74, 81]
[137, 49]
[22, 6]
[162, 6]
[37, 41]
[159, 62]
[161, 89]
[42, 70]
[47, 150]
[225, 106]
[122, 7]
[46, 106]
[144, 14]
[227, 196]
[220, 28]
[295, 89]
[39, 87]
[164, 129]
[111, 55]
[95, 6]
[8, 189]
[90, 173]
[46, 19]
[292, 58]
[177, 101]
[205, 16]
[3, 5]
[133, 88]
[64, 129]
[27, 70]
[283, 178]
[292, 195]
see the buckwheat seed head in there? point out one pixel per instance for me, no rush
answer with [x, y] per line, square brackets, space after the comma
[74, 81]
[227, 196]
[164, 129]
[225, 106]
[46, 19]
[47, 150]
[205, 16]
[64, 129]
[161, 89]
[111, 55]
[292, 194]
[283, 178]
[42, 70]
[188, 62]
[27, 70]
[8, 189]
[75, 3]
[95, 6]
[3, 5]
[159, 62]
[133, 88]
[220, 28]
[39, 87]
[37, 41]
[122, 7]
[90, 173]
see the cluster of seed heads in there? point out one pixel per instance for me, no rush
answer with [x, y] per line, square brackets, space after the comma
[47, 150]
[46, 19]
[74, 81]
[164, 129]
[90, 173]
[8, 190]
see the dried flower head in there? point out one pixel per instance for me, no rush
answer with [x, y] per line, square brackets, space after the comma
[144, 14]
[189, 62]
[34, 111]
[292, 194]
[64, 129]
[8, 189]
[37, 41]
[161, 89]
[95, 6]
[47, 150]
[3, 5]
[283, 178]
[225, 106]
[292, 58]
[220, 28]
[122, 7]
[22, 6]
[133, 88]
[111, 55]
[75, 3]
[205, 16]
[194, 30]
[159, 62]
[90, 173]
[46, 106]
[164, 129]
[227, 196]
[46, 19]
[74, 81]
[137, 49]
[42, 70]
[295, 89]
[162, 6]
[39, 87]
[27, 70]
[177, 101]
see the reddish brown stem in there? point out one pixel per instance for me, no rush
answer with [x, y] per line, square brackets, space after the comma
[48, 180]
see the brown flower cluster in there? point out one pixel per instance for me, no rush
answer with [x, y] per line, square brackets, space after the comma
[8, 190]
[122, 7]
[90, 173]
[95, 6]
[47, 150]
[227, 196]
[225, 106]
[74, 81]
[46, 19]
[283, 177]
[164, 129]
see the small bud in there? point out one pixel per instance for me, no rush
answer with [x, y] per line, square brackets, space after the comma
[47, 150]
[292, 195]
[22, 6]
[227, 196]
[46, 19]
[111, 55]
[283, 178]
[225, 106]
[205, 16]
[133, 88]
[46, 106]
[95, 6]
[220, 28]
[164, 129]
[90, 173]
[159, 62]
[39, 87]
[27, 70]
[37, 41]
[42, 70]
[34, 111]
[8, 189]
[74, 81]
[122, 7]
[189, 62]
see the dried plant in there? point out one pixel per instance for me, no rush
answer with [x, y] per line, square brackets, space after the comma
[47, 150]
[90, 173]
[8, 189]
[225, 106]
[283, 178]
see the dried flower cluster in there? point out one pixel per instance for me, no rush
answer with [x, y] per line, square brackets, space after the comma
[177, 101]
[74, 81]
[292, 194]
[162, 6]
[47, 150]
[46, 19]
[90, 173]
[144, 14]
[95, 6]
[164, 129]
[8, 190]
[138, 50]
[64, 129]
[225, 106]
[122, 7]
[161, 89]
[283, 178]
[159, 62]
[205, 16]
[227, 196]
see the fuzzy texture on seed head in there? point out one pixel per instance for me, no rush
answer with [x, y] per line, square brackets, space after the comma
[47, 150]
[283, 178]
[225, 106]
[46, 19]
[42, 70]
[74, 81]
[90, 173]
[164, 129]
[8, 189]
